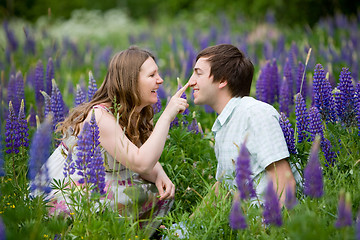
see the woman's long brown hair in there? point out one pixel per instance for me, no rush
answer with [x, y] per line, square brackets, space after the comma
[120, 86]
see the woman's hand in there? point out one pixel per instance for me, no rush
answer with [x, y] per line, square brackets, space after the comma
[165, 186]
[176, 104]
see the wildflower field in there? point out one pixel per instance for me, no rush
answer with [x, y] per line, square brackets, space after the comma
[310, 75]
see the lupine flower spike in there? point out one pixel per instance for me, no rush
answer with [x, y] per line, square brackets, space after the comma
[12, 132]
[23, 126]
[243, 173]
[285, 97]
[272, 211]
[39, 153]
[157, 106]
[357, 105]
[288, 133]
[80, 96]
[49, 76]
[236, 217]
[315, 123]
[39, 83]
[313, 179]
[344, 210]
[47, 100]
[2, 163]
[92, 88]
[344, 97]
[57, 104]
[323, 98]
[302, 118]
[89, 160]
[2, 230]
[69, 166]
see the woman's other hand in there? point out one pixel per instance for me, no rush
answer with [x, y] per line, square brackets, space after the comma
[165, 186]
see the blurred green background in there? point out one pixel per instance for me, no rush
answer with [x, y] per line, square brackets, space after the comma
[294, 12]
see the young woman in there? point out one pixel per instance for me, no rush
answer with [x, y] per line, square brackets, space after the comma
[130, 145]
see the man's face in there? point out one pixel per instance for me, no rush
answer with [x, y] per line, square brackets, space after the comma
[205, 90]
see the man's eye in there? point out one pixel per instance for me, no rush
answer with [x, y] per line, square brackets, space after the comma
[152, 75]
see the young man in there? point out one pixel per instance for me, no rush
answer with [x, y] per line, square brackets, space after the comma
[222, 79]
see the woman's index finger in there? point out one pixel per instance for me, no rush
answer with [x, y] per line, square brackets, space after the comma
[182, 90]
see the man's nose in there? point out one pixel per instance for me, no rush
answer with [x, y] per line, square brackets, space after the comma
[192, 81]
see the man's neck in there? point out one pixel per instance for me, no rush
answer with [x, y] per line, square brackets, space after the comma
[223, 99]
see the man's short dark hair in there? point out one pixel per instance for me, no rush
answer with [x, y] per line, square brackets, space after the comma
[229, 63]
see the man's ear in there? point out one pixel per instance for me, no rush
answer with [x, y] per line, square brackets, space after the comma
[223, 83]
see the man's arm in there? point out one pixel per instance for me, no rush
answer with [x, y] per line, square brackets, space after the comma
[281, 175]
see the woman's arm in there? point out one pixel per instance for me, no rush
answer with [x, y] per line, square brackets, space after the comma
[163, 183]
[141, 160]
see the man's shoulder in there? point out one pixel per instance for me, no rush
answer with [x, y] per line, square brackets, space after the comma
[249, 106]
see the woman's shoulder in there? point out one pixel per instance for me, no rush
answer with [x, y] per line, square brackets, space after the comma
[103, 107]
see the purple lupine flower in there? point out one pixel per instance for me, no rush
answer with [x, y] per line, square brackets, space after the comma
[96, 171]
[357, 105]
[301, 84]
[243, 174]
[19, 91]
[2, 230]
[302, 118]
[39, 83]
[89, 156]
[30, 45]
[289, 77]
[329, 154]
[47, 100]
[94, 131]
[323, 98]
[264, 85]
[49, 76]
[157, 106]
[174, 123]
[236, 217]
[69, 166]
[193, 126]
[23, 126]
[12, 41]
[92, 88]
[2, 162]
[85, 152]
[344, 211]
[313, 179]
[315, 123]
[57, 104]
[161, 92]
[12, 132]
[11, 89]
[32, 117]
[275, 79]
[344, 97]
[272, 211]
[290, 198]
[39, 153]
[80, 96]
[288, 133]
[285, 97]
[208, 109]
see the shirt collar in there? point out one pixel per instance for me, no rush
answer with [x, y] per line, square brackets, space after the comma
[225, 114]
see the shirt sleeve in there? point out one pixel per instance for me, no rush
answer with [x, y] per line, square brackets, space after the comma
[266, 140]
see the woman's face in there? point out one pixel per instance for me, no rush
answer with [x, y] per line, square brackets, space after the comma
[149, 82]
